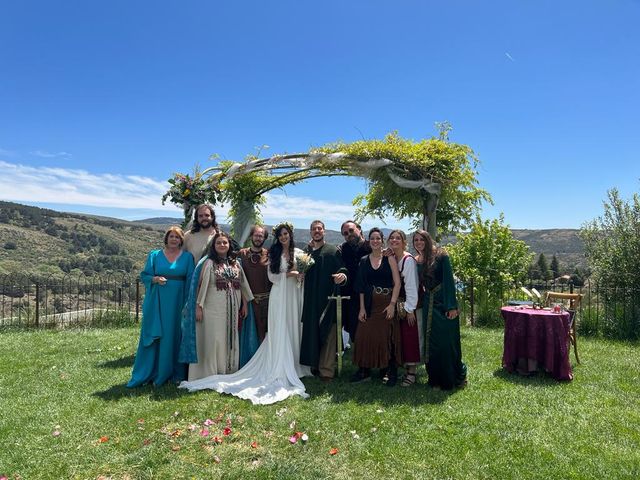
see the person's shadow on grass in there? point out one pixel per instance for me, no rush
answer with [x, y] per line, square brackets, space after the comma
[537, 379]
[168, 391]
[124, 362]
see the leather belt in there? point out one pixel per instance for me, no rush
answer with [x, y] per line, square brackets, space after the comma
[382, 290]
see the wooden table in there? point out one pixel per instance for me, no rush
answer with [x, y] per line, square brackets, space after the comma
[536, 339]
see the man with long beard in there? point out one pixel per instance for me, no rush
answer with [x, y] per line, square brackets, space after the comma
[255, 263]
[203, 229]
[319, 345]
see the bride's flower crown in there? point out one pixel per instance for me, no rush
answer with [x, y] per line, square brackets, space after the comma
[277, 227]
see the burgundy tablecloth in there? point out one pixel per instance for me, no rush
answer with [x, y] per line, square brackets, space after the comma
[540, 335]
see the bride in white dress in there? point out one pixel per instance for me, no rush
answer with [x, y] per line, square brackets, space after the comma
[274, 372]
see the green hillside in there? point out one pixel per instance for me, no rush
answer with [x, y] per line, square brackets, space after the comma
[38, 240]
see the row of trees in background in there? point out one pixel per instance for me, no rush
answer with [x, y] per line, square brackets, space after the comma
[544, 271]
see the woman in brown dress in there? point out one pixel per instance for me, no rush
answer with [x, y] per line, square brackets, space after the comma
[378, 285]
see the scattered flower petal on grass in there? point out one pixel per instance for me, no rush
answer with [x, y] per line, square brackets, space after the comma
[298, 436]
[216, 458]
[175, 448]
[146, 441]
[204, 432]
[292, 425]
[176, 433]
[140, 421]
[208, 422]
[3, 477]
[193, 427]
[333, 451]
[103, 439]
[281, 412]
[217, 439]
[176, 414]
[56, 433]
[227, 431]
[355, 435]
[254, 444]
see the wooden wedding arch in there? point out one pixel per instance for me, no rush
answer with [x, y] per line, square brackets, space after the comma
[432, 181]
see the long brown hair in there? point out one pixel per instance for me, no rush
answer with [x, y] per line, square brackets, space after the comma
[213, 254]
[431, 252]
[275, 251]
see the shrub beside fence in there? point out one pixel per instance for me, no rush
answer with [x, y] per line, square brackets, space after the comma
[72, 300]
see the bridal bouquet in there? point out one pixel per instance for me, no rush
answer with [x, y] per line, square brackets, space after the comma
[304, 262]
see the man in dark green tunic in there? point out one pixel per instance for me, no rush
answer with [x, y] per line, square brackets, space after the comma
[319, 342]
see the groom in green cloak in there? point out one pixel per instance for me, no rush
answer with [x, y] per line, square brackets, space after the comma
[326, 275]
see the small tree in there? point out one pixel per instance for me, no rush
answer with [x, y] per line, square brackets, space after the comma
[543, 267]
[555, 266]
[612, 248]
[490, 256]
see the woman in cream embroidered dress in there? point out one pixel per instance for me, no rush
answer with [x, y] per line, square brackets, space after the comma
[222, 297]
[273, 373]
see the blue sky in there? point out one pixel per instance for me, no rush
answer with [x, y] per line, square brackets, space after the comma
[100, 102]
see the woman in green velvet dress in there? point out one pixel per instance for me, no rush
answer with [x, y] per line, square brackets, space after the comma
[441, 324]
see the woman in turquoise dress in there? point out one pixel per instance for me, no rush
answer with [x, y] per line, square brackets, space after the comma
[166, 277]
[441, 322]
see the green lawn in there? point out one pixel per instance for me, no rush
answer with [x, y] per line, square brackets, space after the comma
[64, 413]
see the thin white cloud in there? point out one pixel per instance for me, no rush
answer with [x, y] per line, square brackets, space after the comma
[282, 207]
[23, 183]
[45, 154]
[508, 55]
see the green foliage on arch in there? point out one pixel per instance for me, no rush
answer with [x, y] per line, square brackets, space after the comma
[452, 166]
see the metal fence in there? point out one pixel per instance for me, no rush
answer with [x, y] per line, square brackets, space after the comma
[609, 312]
[72, 300]
[116, 299]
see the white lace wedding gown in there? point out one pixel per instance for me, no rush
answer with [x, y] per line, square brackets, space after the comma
[274, 372]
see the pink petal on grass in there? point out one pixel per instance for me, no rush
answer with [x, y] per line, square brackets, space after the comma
[204, 432]
[254, 444]
[208, 422]
[56, 433]
[293, 439]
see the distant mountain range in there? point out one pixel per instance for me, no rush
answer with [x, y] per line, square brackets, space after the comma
[48, 242]
[565, 243]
